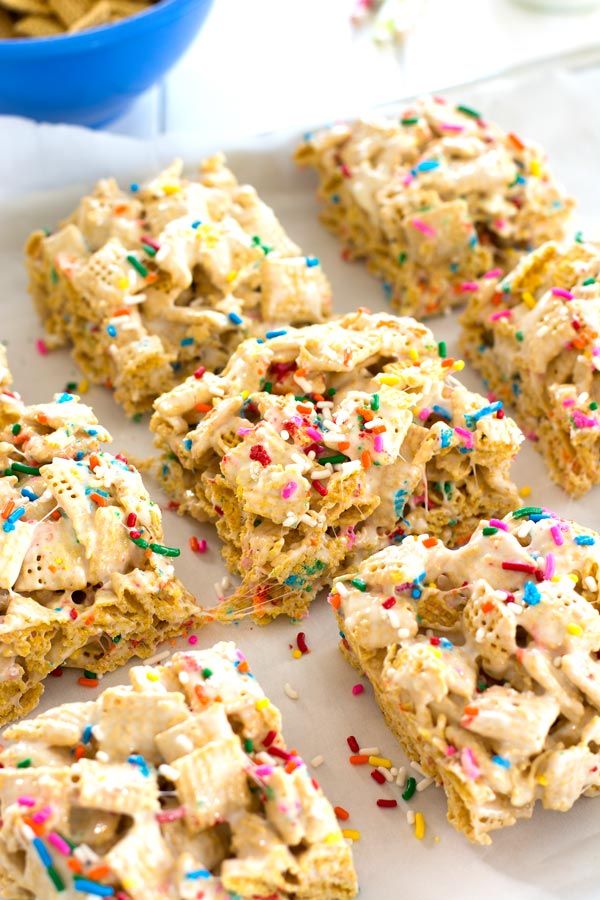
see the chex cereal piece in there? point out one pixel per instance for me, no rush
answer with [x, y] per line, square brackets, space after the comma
[6, 25]
[150, 285]
[326, 441]
[434, 199]
[535, 337]
[37, 26]
[85, 579]
[177, 786]
[484, 662]
[70, 11]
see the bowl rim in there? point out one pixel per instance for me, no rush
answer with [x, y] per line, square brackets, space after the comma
[56, 43]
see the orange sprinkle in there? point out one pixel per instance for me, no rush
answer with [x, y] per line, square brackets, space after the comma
[200, 695]
[365, 459]
[341, 813]
[94, 461]
[290, 766]
[366, 414]
[120, 209]
[42, 419]
[87, 682]
[37, 828]
[300, 372]
[430, 542]
[79, 751]
[359, 759]
[122, 312]
[343, 445]
[55, 516]
[98, 499]
[203, 407]
[97, 873]
[151, 277]
[379, 429]
[318, 397]
[471, 711]
[8, 508]
[516, 141]
[74, 865]
[335, 600]
[488, 606]
[305, 410]
[447, 362]
[243, 666]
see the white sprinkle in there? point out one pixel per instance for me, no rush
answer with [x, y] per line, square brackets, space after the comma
[349, 467]
[524, 529]
[308, 520]
[311, 455]
[102, 756]
[401, 776]
[169, 772]
[217, 590]
[403, 633]
[424, 784]
[290, 692]
[317, 761]
[369, 751]
[320, 473]
[590, 583]
[341, 588]
[417, 768]
[158, 657]
[394, 771]
[285, 435]
[184, 678]
[410, 816]
[85, 854]
[28, 832]
[184, 743]
[480, 635]
[386, 773]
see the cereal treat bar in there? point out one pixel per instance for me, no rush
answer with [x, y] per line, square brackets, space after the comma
[176, 787]
[484, 661]
[327, 441]
[434, 199]
[150, 285]
[535, 337]
[84, 578]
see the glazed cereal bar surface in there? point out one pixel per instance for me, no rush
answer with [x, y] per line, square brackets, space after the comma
[85, 580]
[434, 199]
[484, 662]
[535, 337]
[328, 441]
[176, 787]
[149, 285]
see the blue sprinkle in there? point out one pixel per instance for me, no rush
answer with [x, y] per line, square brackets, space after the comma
[454, 267]
[198, 873]
[445, 644]
[65, 398]
[520, 180]
[388, 289]
[426, 166]
[335, 198]
[291, 580]
[95, 490]
[276, 333]
[112, 331]
[445, 437]
[42, 852]
[188, 443]
[260, 340]
[25, 492]
[537, 517]
[233, 317]
[165, 470]
[136, 759]
[443, 412]
[134, 187]
[416, 592]
[531, 594]
[399, 501]
[311, 261]
[472, 418]
[420, 578]
[501, 761]
[16, 515]
[197, 223]
[584, 540]
[516, 388]
[187, 342]
[473, 240]
[92, 887]
[79, 455]
[87, 734]
[92, 432]
[8, 527]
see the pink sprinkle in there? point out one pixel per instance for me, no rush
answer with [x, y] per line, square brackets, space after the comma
[314, 434]
[193, 639]
[467, 436]
[550, 567]
[449, 126]
[500, 224]
[503, 314]
[350, 536]
[378, 443]
[147, 239]
[424, 414]
[26, 801]
[243, 431]
[450, 750]
[289, 489]
[568, 402]
[532, 436]
[493, 273]
[407, 179]
[596, 351]
[58, 842]
[469, 286]
[40, 817]
[423, 227]
[557, 536]
[263, 771]
[357, 689]
[582, 421]
[498, 523]
[560, 292]
[200, 546]
[171, 815]
[41, 347]
[469, 763]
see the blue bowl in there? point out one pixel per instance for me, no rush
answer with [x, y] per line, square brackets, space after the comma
[91, 77]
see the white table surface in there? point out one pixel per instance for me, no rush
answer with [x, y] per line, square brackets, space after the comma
[260, 65]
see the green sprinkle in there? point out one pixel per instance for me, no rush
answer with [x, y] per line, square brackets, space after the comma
[519, 335]
[331, 392]
[165, 551]
[402, 257]
[469, 111]
[53, 275]
[140, 542]
[411, 786]
[55, 878]
[375, 402]
[88, 674]
[588, 281]
[359, 584]
[70, 387]
[268, 387]
[489, 530]
[335, 458]
[506, 288]
[442, 349]
[137, 417]
[16, 429]
[24, 763]
[593, 405]
[116, 639]
[26, 470]
[139, 267]
[148, 249]
[206, 673]
[579, 237]
[412, 121]
[528, 511]
[248, 745]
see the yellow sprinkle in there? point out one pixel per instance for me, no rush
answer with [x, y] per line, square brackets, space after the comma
[414, 354]
[528, 299]
[83, 386]
[170, 189]
[459, 365]
[296, 654]
[574, 578]
[231, 276]
[555, 578]
[380, 761]
[390, 380]
[351, 834]
[432, 584]
[334, 837]
[535, 168]
[541, 779]
[436, 652]
[262, 704]
[419, 826]
[245, 395]
[152, 676]
[572, 628]
[397, 577]
[525, 491]
[437, 839]
[123, 284]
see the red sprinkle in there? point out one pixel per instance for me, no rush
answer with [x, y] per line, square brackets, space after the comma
[319, 488]
[196, 545]
[341, 813]
[520, 567]
[387, 604]
[56, 673]
[301, 642]
[353, 743]
[377, 776]
[199, 371]
[357, 689]
[259, 453]
[387, 804]
[271, 735]
[131, 520]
